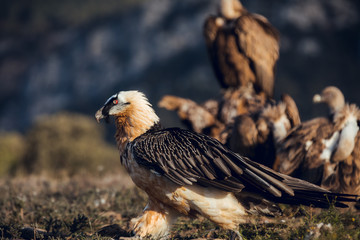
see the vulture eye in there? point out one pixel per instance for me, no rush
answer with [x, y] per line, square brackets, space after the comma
[115, 101]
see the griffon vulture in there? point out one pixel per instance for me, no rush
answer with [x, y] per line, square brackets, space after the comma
[243, 48]
[325, 150]
[257, 134]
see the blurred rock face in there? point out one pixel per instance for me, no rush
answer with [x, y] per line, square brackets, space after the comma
[158, 47]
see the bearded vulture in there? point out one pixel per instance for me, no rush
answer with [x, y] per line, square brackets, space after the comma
[325, 151]
[187, 173]
[243, 48]
[256, 135]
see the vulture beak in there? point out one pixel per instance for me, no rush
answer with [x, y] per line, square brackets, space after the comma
[99, 115]
[317, 98]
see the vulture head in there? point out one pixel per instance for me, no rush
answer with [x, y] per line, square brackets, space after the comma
[230, 9]
[128, 106]
[111, 107]
[332, 97]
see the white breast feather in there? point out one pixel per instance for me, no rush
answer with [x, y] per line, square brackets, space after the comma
[330, 145]
[347, 139]
[350, 130]
[308, 145]
[219, 206]
[280, 130]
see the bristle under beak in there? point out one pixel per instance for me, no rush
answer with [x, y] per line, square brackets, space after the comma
[317, 98]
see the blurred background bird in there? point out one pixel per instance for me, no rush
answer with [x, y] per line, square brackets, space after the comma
[324, 150]
[243, 49]
[257, 134]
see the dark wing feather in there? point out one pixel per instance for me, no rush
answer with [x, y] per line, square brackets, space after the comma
[191, 157]
[259, 41]
[304, 192]
[292, 152]
[196, 158]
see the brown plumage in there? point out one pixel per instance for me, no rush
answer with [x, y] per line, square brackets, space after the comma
[201, 118]
[299, 153]
[323, 150]
[186, 173]
[240, 101]
[345, 178]
[214, 117]
[246, 122]
[256, 135]
[291, 110]
[243, 48]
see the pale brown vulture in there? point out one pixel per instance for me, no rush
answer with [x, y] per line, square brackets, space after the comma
[325, 150]
[215, 117]
[191, 174]
[243, 48]
[201, 118]
[257, 134]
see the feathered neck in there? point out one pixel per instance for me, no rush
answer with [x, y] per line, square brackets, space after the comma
[350, 112]
[137, 119]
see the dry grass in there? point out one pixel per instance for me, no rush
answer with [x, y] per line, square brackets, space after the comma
[84, 207]
[68, 206]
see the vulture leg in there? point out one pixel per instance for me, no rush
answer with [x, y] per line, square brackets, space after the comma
[155, 221]
[236, 235]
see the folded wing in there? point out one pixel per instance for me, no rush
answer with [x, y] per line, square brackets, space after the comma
[188, 158]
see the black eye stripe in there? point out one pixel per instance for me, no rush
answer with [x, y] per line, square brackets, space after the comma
[111, 99]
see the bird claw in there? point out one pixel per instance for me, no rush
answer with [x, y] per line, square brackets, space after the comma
[236, 235]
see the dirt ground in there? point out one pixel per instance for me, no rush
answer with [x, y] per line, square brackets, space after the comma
[84, 207]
